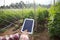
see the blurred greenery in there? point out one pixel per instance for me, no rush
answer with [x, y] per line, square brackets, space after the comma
[12, 15]
[54, 26]
[44, 17]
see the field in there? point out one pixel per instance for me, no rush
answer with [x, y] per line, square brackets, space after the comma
[47, 22]
[16, 16]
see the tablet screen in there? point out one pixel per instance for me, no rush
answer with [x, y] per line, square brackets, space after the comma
[28, 25]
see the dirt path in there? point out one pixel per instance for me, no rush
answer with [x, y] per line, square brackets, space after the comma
[42, 36]
[9, 31]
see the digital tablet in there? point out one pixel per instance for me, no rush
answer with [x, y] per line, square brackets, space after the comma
[28, 25]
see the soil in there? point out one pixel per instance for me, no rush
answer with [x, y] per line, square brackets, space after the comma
[41, 36]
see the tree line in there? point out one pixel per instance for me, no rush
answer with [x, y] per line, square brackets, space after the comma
[21, 4]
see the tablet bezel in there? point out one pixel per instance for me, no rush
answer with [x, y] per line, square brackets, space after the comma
[32, 26]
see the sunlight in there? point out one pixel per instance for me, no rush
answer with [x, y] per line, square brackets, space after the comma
[7, 2]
